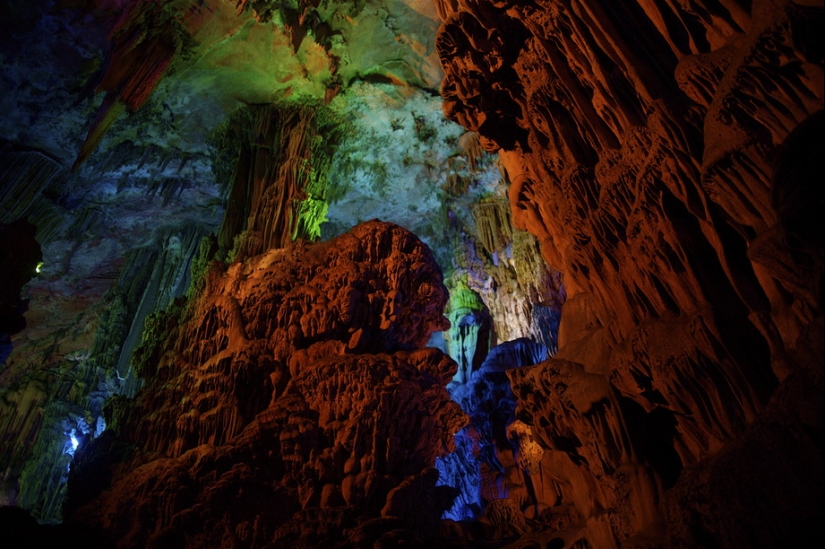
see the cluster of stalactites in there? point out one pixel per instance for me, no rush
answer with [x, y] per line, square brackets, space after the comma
[492, 218]
[271, 202]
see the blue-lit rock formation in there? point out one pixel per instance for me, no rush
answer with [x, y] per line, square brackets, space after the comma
[483, 467]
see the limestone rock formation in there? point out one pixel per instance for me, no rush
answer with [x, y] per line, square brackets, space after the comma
[287, 404]
[645, 147]
[487, 466]
[118, 234]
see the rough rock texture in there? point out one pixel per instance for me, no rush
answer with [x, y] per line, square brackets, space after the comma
[287, 404]
[116, 234]
[274, 167]
[484, 466]
[116, 247]
[648, 148]
[230, 52]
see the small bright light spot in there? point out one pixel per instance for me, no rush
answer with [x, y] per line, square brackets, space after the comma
[38, 266]
[71, 444]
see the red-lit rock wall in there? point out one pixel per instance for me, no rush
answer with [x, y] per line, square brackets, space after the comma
[288, 403]
[665, 155]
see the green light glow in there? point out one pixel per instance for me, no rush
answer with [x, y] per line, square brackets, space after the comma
[312, 213]
[37, 269]
[463, 300]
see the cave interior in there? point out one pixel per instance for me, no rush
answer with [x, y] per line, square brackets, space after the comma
[288, 274]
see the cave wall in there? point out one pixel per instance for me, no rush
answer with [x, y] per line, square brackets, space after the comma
[114, 249]
[645, 144]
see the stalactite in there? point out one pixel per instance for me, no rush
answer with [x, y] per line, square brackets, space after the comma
[280, 190]
[154, 276]
[145, 41]
[455, 186]
[492, 218]
[279, 212]
[470, 144]
[527, 261]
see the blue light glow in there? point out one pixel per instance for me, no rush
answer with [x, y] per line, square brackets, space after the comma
[71, 443]
[486, 397]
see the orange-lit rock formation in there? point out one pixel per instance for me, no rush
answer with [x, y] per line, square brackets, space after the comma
[647, 148]
[289, 402]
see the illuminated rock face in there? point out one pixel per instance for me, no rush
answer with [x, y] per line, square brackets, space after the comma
[288, 402]
[485, 466]
[648, 148]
